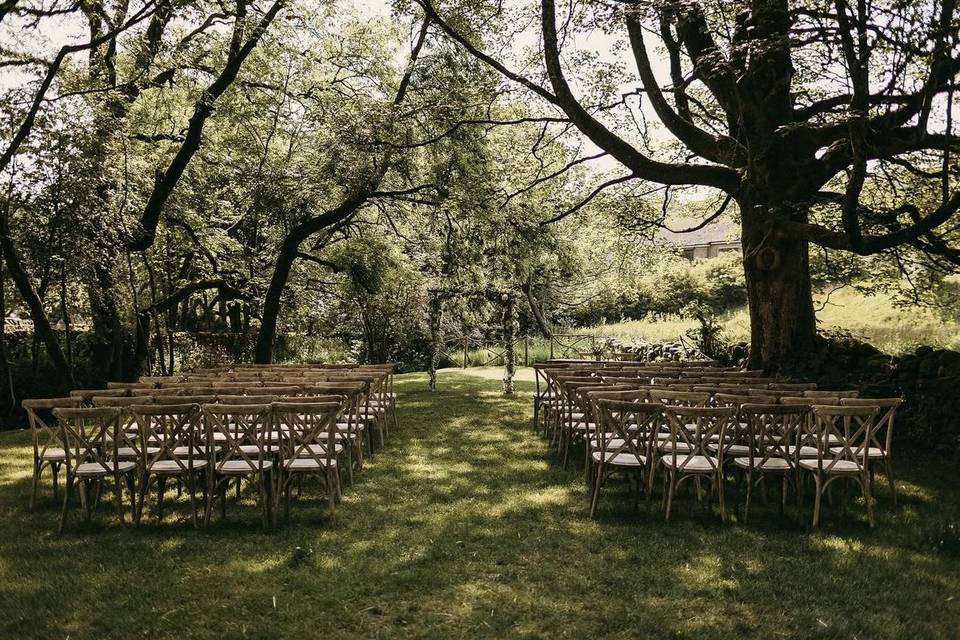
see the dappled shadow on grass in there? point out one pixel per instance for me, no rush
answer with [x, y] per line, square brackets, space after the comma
[464, 526]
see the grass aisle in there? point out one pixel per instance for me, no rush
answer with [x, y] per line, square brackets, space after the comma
[462, 527]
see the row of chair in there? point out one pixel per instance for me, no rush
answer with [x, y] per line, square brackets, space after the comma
[206, 434]
[715, 432]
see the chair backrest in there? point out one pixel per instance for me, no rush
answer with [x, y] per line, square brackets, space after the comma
[305, 425]
[234, 400]
[175, 400]
[89, 435]
[112, 401]
[87, 394]
[130, 385]
[681, 398]
[238, 426]
[739, 399]
[883, 433]
[843, 434]
[154, 392]
[792, 386]
[313, 399]
[276, 390]
[809, 402]
[165, 428]
[632, 422]
[693, 429]
[774, 431]
[44, 430]
[823, 393]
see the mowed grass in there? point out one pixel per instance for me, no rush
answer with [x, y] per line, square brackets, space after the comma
[463, 527]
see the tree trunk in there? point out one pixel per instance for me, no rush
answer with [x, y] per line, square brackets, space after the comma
[263, 353]
[41, 323]
[108, 332]
[536, 309]
[777, 271]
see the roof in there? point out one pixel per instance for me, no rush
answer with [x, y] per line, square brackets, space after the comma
[721, 231]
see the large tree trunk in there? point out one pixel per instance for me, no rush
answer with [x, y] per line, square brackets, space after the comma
[41, 323]
[108, 332]
[777, 271]
[263, 353]
[536, 309]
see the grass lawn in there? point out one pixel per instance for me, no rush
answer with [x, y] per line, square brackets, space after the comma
[893, 330]
[463, 527]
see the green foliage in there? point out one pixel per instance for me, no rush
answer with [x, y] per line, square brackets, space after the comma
[671, 287]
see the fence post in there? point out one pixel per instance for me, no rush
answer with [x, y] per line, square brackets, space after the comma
[466, 345]
[551, 347]
[526, 351]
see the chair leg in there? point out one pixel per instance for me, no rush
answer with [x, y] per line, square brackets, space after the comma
[131, 489]
[67, 490]
[144, 488]
[192, 488]
[331, 497]
[670, 490]
[597, 481]
[35, 486]
[720, 492]
[746, 508]
[118, 491]
[867, 498]
[161, 489]
[816, 502]
[55, 472]
[223, 497]
[85, 499]
[888, 470]
[263, 500]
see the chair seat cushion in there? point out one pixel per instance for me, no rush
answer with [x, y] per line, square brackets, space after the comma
[243, 467]
[252, 449]
[54, 454]
[307, 464]
[730, 450]
[316, 450]
[622, 459]
[874, 453]
[805, 451]
[168, 467]
[96, 469]
[770, 464]
[692, 464]
[840, 466]
[130, 452]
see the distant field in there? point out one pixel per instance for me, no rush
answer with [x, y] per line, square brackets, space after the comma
[891, 329]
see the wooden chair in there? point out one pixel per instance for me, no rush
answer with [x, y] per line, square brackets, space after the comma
[880, 446]
[171, 435]
[130, 385]
[624, 432]
[86, 395]
[309, 447]
[237, 448]
[45, 434]
[823, 393]
[687, 455]
[774, 431]
[152, 392]
[89, 439]
[851, 428]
